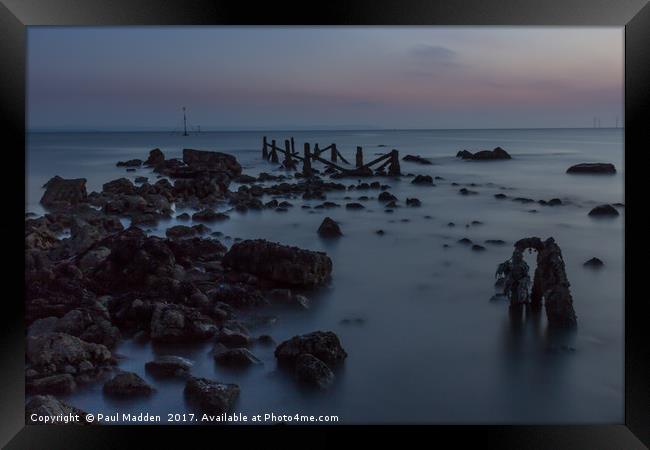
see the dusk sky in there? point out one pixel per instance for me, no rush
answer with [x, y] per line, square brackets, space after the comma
[323, 77]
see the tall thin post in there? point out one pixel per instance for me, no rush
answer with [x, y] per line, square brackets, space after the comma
[316, 151]
[184, 123]
[274, 153]
[333, 153]
[288, 160]
[359, 157]
[394, 168]
[265, 152]
[306, 163]
[293, 146]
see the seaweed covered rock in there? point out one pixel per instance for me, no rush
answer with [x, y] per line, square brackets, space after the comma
[278, 263]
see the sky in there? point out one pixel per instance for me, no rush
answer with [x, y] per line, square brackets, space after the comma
[265, 78]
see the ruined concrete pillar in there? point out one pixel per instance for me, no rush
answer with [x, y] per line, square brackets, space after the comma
[359, 157]
[306, 163]
[394, 168]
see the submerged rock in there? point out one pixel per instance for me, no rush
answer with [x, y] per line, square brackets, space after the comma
[211, 397]
[599, 168]
[422, 179]
[417, 159]
[234, 357]
[604, 211]
[127, 384]
[594, 263]
[209, 215]
[484, 155]
[169, 366]
[324, 345]
[329, 229]
[279, 263]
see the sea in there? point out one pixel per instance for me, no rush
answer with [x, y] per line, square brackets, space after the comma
[427, 341]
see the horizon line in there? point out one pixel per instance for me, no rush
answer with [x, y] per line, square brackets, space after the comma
[252, 130]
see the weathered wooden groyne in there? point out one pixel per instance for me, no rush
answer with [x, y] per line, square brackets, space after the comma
[386, 164]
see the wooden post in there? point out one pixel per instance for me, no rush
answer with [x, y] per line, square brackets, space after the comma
[394, 168]
[293, 146]
[306, 163]
[316, 151]
[274, 153]
[333, 153]
[359, 157]
[288, 160]
[265, 153]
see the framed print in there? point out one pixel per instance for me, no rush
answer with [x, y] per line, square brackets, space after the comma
[381, 216]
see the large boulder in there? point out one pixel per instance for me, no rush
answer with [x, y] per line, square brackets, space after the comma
[324, 345]
[91, 324]
[61, 192]
[127, 384]
[121, 186]
[278, 263]
[42, 406]
[599, 168]
[212, 161]
[53, 353]
[211, 397]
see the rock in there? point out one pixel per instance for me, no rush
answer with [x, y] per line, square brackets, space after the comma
[414, 202]
[495, 241]
[129, 163]
[184, 216]
[550, 281]
[465, 191]
[62, 192]
[156, 157]
[91, 324]
[208, 215]
[54, 384]
[50, 353]
[49, 406]
[484, 155]
[422, 179]
[180, 231]
[290, 265]
[169, 366]
[211, 397]
[212, 161]
[416, 159]
[598, 168]
[324, 345]
[233, 338]
[500, 196]
[594, 263]
[121, 186]
[604, 211]
[465, 241]
[478, 248]
[380, 232]
[313, 371]
[386, 197]
[42, 326]
[141, 179]
[178, 323]
[234, 357]
[354, 206]
[127, 384]
[329, 229]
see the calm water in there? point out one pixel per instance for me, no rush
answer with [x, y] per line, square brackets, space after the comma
[432, 347]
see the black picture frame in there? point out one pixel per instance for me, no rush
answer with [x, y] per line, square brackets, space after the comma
[16, 15]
